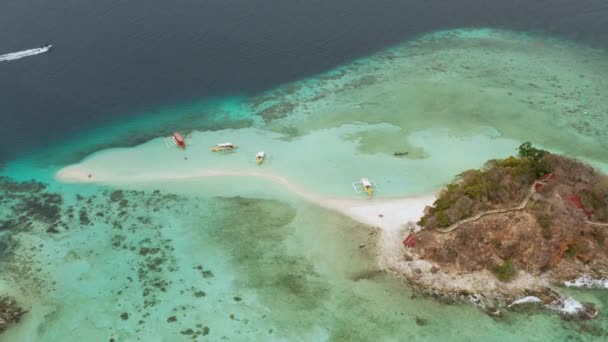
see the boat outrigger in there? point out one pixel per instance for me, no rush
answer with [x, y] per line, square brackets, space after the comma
[179, 141]
[224, 147]
[259, 158]
[365, 185]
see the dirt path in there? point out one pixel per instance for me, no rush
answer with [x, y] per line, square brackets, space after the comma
[598, 223]
[521, 206]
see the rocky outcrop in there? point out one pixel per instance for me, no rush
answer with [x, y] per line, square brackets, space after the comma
[474, 244]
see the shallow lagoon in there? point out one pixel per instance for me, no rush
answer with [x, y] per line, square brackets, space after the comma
[280, 269]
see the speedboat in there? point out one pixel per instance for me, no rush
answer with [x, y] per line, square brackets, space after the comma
[224, 147]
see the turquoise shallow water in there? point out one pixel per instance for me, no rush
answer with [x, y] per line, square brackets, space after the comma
[196, 261]
[280, 269]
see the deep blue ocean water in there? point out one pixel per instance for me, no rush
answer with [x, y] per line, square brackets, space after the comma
[122, 59]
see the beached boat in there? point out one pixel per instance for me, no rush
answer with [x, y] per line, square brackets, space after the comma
[224, 147]
[259, 158]
[179, 141]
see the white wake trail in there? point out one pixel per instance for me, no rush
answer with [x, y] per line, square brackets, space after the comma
[25, 53]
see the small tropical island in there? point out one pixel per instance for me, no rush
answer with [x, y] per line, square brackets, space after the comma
[513, 232]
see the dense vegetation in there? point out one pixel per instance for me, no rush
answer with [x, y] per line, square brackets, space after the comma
[558, 230]
[499, 183]
[505, 271]
[504, 183]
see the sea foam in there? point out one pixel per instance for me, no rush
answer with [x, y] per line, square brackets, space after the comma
[588, 282]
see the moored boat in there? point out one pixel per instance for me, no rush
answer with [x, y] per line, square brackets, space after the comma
[224, 147]
[259, 157]
[179, 141]
[367, 186]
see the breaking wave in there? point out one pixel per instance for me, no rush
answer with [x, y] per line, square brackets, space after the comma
[528, 299]
[587, 282]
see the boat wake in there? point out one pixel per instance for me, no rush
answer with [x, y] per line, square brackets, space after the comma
[25, 53]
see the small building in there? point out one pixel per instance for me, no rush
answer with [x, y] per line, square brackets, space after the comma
[410, 240]
[577, 203]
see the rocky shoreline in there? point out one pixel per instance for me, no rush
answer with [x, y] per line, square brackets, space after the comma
[479, 288]
[513, 232]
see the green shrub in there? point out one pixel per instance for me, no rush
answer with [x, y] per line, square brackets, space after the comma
[541, 167]
[506, 271]
[544, 221]
[499, 183]
[539, 164]
[496, 243]
[512, 162]
[571, 251]
[476, 191]
[442, 203]
[443, 220]
[422, 221]
[526, 150]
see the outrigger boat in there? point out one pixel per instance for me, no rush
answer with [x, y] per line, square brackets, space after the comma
[364, 184]
[179, 141]
[367, 186]
[224, 147]
[259, 158]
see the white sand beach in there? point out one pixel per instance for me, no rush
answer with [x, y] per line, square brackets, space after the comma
[389, 214]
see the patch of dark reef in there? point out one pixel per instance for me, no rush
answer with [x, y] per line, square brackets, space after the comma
[6, 185]
[136, 231]
[10, 313]
[200, 330]
[586, 327]
[27, 205]
[421, 321]
[7, 245]
[136, 226]
[286, 282]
